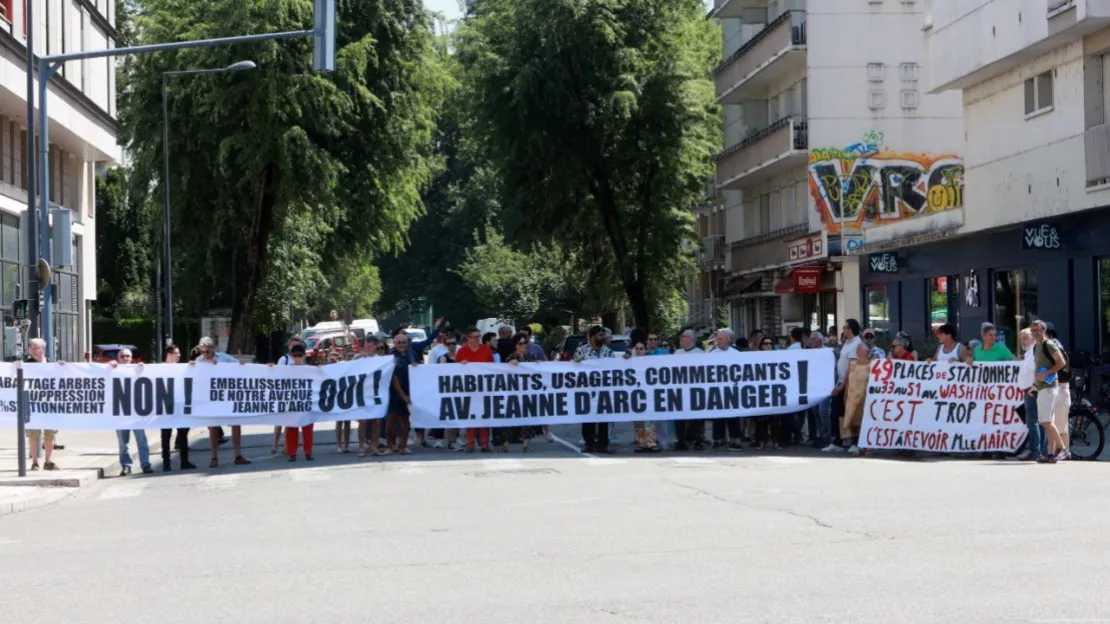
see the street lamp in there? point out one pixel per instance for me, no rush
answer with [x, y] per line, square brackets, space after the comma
[166, 246]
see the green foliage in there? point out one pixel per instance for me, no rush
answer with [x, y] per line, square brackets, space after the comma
[504, 280]
[600, 117]
[123, 249]
[279, 167]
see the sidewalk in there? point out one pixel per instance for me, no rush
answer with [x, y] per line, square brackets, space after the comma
[87, 457]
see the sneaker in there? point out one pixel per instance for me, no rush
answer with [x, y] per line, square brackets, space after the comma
[833, 448]
[457, 446]
[719, 445]
[147, 470]
[188, 466]
[1046, 459]
[581, 442]
[736, 447]
[1063, 456]
[853, 450]
[440, 445]
[1025, 455]
[124, 471]
[681, 446]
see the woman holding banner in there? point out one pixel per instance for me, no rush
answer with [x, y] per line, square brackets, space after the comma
[855, 393]
[645, 429]
[519, 354]
[296, 353]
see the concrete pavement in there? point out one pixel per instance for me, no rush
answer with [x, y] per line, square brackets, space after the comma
[560, 537]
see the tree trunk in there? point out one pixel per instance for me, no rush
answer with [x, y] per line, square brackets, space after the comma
[262, 224]
[633, 284]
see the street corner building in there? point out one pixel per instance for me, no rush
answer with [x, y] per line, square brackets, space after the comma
[829, 148]
[82, 143]
[1032, 236]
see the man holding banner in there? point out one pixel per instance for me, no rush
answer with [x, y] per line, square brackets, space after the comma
[596, 435]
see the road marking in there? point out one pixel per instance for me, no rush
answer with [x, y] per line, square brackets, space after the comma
[785, 460]
[691, 460]
[502, 464]
[602, 461]
[129, 490]
[219, 482]
[410, 471]
[309, 474]
[570, 446]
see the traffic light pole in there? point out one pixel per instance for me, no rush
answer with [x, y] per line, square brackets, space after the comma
[323, 34]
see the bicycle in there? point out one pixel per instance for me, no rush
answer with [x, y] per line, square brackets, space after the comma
[1086, 433]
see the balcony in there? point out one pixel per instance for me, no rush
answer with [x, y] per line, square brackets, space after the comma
[775, 149]
[775, 52]
[712, 252]
[1096, 145]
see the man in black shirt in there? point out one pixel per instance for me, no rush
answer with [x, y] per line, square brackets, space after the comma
[172, 355]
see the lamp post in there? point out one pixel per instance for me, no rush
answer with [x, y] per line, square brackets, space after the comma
[167, 248]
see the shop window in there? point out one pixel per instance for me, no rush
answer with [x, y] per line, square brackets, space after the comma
[9, 259]
[1104, 305]
[878, 309]
[1015, 303]
[938, 302]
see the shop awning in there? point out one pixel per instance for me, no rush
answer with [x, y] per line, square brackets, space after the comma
[801, 280]
[741, 284]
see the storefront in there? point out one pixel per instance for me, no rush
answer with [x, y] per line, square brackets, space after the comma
[1057, 270]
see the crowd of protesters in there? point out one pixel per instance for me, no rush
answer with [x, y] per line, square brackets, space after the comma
[833, 425]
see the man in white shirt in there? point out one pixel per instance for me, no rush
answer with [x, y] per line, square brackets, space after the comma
[689, 434]
[848, 353]
[796, 336]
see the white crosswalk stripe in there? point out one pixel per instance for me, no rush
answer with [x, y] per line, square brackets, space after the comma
[128, 490]
[303, 476]
[219, 482]
[602, 461]
[691, 460]
[502, 464]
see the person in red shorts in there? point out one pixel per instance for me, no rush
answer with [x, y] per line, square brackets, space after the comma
[296, 354]
[475, 351]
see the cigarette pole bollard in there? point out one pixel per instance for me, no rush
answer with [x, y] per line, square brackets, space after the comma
[21, 421]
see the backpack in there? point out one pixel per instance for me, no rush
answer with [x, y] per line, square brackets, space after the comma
[1064, 374]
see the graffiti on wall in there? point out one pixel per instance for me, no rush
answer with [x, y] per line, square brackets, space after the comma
[867, 184]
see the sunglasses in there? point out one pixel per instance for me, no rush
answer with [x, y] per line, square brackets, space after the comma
[522, 343]
[768, 343]
[869, 336]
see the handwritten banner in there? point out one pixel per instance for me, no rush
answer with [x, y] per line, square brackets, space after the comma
[678, 387]
[943, 407]
[152, 396]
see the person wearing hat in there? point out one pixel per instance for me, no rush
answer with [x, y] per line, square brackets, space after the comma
[296, 354]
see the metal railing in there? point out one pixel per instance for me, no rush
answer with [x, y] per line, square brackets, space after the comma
[788, 29]
[712, 250]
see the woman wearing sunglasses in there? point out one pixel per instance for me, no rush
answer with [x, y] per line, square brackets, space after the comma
[767, 428]
[519, 355]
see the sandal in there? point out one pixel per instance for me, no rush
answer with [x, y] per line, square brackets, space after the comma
[406, 451]
[241, 461]
[527, 449]
[361, 452]
[35, 465]
[214, 463]
[49, 466]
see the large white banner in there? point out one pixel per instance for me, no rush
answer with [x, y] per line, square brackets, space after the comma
[677, 387]
[943, 407]
[152, 396]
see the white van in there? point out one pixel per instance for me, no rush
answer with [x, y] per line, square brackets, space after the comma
[370, 326]
[328, 326]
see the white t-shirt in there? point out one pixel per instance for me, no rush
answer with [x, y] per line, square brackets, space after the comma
[437, 352]
[693, 351]
[849, 352]
[796, 345]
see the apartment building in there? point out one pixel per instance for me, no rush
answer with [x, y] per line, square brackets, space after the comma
[82, 110]
[832, 148]
[704, 291]
[1035, 242]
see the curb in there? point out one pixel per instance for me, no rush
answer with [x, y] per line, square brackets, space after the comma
[46, 498]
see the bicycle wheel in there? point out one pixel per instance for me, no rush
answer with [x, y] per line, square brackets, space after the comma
[1087, 436]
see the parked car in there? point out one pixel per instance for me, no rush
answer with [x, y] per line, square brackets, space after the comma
[105, 353]
[573, 341]
[318, 347]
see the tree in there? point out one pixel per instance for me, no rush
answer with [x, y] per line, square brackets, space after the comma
[600, 116]
[123, 249]
[281, 177]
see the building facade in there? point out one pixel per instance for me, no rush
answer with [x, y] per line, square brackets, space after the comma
[1033, 75]
[82, 117]
[831, 146]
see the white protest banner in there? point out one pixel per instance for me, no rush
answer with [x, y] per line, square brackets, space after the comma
[677, 387]
[943, 407]
[153, 396]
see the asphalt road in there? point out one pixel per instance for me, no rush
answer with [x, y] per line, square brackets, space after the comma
[557, 537]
